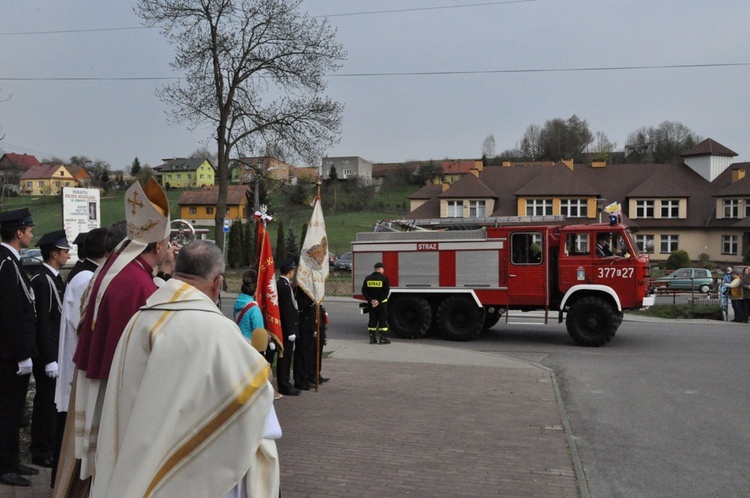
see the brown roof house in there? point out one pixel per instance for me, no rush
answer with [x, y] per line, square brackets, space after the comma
[701, 205]
[199, 206]
[46, 179]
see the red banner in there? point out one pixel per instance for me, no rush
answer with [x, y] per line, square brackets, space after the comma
[266, 294]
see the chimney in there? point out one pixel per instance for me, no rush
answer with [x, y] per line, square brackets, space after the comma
[738, 174]
[568, 163]
[445, 186]
[475, 172]
[598, 164]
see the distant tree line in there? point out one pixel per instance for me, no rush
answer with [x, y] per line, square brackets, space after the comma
[572, 138]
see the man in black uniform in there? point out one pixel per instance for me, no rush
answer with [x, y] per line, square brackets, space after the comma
[80, 265]
[49, 290]
[17, 344]
[289, 314]
[376, 289]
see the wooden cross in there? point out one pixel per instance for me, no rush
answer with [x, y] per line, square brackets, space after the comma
[134, 202]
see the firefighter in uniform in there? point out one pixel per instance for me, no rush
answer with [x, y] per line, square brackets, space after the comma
[376, 289]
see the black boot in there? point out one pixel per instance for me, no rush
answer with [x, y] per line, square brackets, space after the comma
[384, 339]
[373, 340]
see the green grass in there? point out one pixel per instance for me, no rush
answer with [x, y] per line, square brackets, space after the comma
[47, 210]
[341, 226]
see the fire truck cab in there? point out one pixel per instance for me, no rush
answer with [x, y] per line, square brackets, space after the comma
[460, 282]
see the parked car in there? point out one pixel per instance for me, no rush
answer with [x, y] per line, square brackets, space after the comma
[31, 260]
[698, 279]
[343, 262]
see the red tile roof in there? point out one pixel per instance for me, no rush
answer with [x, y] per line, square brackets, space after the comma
[24, 161]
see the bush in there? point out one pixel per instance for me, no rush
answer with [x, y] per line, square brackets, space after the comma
[703, 311]
[678, 259]
[704, 261]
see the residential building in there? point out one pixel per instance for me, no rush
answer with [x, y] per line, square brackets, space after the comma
[243, 170]
[700, 206]
[50, 179]
[348, 167]
[186, 172]
[199, 206]
[12, 166]
[453, 170]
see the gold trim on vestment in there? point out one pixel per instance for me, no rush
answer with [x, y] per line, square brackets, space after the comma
[210, 428]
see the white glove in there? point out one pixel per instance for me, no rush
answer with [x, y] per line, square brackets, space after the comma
[315, 334]
[272, 346]
[292, 337]
[24, 367]
[51, 369]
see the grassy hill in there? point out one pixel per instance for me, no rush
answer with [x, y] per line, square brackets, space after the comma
[346, 210]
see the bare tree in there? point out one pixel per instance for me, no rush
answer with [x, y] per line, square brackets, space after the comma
[603, 148]
[488, 147]
[255, 72]
[661, 144]
[531, 143]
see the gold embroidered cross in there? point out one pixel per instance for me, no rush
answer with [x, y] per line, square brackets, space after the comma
[135, 202]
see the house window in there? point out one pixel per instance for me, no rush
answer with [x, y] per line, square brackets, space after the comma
[193, 210]
[67, 184]
[201, 177]
[29, 184]
[670, 209]
[179, 176]
[645, 243]
[731, 208]
[476, 209]
[729, 244]
[644, 209]
[539, 207]
[669, 243]
[747, 207]
[455, 209]
[209, 210]
[57, 183]
[574, 208]
[347, 173]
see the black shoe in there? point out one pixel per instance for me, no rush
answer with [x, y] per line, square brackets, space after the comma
[384, 340]
[373, 340]
[42, 462]
[290, 392]
[24, 470]
[13, 479]
[323, 379]
[302, 387]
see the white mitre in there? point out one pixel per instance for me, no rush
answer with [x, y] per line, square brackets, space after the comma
[147, 219]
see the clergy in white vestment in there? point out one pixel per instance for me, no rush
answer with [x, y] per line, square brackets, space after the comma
[188, 398]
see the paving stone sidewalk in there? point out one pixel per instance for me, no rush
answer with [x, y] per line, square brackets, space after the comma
[425, 421]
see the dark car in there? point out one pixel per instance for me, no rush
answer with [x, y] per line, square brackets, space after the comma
[343, 262]
[698, 279]
[31, 260]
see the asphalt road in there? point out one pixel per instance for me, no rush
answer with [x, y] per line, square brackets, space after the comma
[662, 410]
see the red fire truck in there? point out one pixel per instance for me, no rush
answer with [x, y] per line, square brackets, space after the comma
[460, 282]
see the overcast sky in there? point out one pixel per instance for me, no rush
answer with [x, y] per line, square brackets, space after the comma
[520, 63]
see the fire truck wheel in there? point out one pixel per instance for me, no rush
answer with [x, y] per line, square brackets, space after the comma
[409, 317]
[459, 319]
[592, 321]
